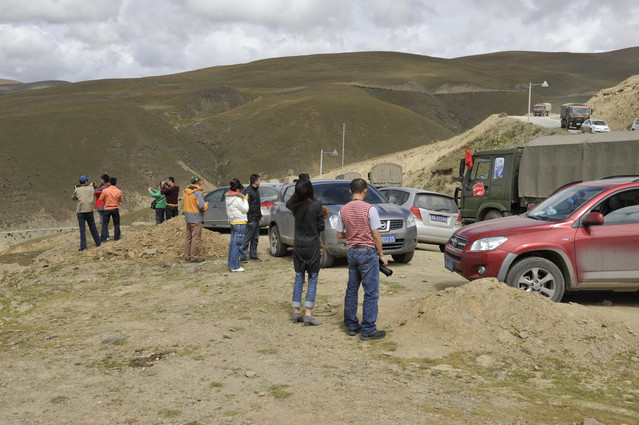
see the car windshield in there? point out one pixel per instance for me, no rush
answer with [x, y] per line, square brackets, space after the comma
[338, 194]
[563, 203]
[268, 191]
[580, 111]
[599, 123]
[394, 196]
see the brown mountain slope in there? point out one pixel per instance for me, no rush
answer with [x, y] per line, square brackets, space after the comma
[268, 116]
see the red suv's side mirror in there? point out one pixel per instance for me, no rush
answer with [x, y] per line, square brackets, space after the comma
[594, 219]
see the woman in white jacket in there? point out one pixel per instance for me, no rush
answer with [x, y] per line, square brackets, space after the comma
[236, 209]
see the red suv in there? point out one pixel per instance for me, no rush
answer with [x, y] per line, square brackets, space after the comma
[585, 236]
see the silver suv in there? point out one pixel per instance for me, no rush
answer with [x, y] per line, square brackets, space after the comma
[398, 231]
[635, 125]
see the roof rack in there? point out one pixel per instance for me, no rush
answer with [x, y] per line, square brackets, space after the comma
[620, 176]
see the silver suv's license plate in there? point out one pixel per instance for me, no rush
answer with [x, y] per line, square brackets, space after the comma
[448, 263]
[388, 239]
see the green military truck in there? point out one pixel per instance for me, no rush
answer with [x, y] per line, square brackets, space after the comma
[574, 114]
[507, 181]
[541, 109]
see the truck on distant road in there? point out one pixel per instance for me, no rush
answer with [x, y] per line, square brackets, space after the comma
[541, 109]
[386, 174]
[574, 114]
[505, 182]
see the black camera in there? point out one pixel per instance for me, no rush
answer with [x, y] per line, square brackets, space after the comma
[383, 269]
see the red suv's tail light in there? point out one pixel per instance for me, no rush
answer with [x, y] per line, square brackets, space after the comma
[416, 212]
[266, 205]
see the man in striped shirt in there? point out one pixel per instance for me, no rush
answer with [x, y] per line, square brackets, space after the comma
[359, 224]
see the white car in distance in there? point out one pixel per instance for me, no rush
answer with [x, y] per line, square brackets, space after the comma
[594, 126]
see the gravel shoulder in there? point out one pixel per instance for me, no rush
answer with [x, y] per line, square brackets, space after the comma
[125, 334]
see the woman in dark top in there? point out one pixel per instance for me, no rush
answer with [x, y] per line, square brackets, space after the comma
[309, 222]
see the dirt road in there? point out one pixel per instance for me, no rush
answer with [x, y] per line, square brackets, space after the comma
[142, 339]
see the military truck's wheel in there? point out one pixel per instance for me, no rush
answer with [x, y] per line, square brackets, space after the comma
[493, 214]
[536, 274]
[276, 247]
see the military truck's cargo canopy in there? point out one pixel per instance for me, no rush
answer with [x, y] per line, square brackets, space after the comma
[552, 161]
[386, 174]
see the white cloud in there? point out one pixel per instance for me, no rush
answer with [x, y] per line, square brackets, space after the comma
[58, 11]
[79, 40]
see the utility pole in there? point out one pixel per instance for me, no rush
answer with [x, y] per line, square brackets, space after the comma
[343, 136]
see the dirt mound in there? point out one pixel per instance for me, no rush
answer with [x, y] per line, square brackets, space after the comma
[164, 241]
[488, 317]
[618, 105]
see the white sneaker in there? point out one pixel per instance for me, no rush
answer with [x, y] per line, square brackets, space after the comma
[238, 270]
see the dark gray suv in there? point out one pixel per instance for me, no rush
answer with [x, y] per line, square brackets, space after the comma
[398, 231]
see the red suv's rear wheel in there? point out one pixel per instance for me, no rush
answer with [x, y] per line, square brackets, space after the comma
[536, 274]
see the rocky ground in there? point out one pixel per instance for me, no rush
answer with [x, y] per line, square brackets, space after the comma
[129, 333]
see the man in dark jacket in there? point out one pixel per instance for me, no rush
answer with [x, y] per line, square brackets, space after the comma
[83, 193]
[255, 218]
[171, 191]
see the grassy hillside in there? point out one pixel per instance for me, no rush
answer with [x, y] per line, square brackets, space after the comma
[271, 116]
[10, 86]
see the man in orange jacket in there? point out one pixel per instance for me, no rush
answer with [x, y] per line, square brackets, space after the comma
[99, 205]
[194, 209]
[111, 196]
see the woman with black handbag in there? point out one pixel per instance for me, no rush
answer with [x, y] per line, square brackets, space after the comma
[309, 223]
[159, 203]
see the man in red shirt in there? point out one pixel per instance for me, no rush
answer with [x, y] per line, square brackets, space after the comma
[99, 205]
[172, 192]
[359, 224]
[111, 196]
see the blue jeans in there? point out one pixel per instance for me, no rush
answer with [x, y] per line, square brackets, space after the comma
[252, 237]
[363, 267]
[87, 218]
[102, 237]
[116, 224]
[237, 238]
[159, 216]
[298, 287]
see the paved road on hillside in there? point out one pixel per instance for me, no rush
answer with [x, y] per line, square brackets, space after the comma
[551, 121]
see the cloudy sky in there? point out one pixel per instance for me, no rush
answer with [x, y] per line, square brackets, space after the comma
[78, 40]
